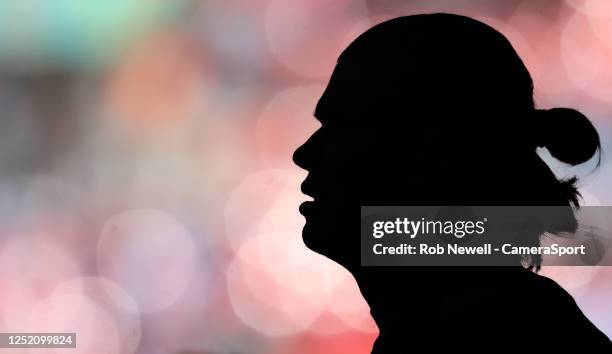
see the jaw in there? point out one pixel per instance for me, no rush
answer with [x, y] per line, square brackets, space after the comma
[334, 236]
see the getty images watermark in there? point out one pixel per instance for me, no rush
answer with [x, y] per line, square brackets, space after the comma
[485, 235]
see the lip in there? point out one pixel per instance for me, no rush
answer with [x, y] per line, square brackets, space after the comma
[307, 207]
[306, 189]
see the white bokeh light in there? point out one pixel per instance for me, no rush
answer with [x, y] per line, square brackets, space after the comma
[272, 285]
[115, 301]
[348, 304]
[573, 279]
[286, 123]
[253, 197]
[29, 271]
[96, 330]
[149, 254]
[309, 35]
[263, 303]
[588, 198]
[279, 287]
[594, 8]
[586, 57]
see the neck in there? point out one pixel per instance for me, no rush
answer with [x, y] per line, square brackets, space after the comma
[407, 302]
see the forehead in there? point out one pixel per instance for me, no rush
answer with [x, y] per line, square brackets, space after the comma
[353, 105]
[359, 90]
[339, 102]
[336, 100]
[328, 111]
[325, 110]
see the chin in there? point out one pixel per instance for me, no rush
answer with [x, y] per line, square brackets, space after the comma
[319, 239]
[315, 238]
[309, 236]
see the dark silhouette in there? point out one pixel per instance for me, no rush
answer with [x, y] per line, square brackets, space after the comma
[438, 110]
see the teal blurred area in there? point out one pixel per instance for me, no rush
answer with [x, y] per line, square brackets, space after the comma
[67, 35]
[148, 199]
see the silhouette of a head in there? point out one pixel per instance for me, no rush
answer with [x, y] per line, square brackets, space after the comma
[431, 110]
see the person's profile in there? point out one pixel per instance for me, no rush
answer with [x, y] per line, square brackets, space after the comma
[438, 110]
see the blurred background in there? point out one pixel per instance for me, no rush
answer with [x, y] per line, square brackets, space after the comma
[148, 200]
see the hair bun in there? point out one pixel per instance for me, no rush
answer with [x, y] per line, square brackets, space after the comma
[568, 135]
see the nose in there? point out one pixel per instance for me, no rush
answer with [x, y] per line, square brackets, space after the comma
[299, 156]
[307, 155]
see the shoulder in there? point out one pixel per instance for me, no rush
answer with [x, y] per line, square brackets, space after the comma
[559, 314]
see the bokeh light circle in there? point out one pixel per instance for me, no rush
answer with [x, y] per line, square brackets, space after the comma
[264, 304]
[253, 197]
[586, 57]
[115, 300]
[286, 123]
[573, 279]
[307, 274]
[29, 271]
[160, 83]
[589, 198]
[307, 36]
[594, 8]
[149, 254]
[95, 328]
[279, 287]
